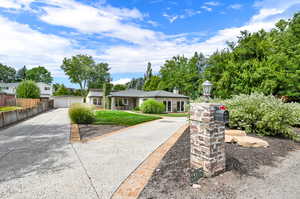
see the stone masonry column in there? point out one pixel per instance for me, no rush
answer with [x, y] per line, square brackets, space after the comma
[207, 139]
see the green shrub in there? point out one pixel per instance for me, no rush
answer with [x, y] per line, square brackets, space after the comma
[82, 113]
[263, 115]
[28, 89]
[137, 108]
[152, 106]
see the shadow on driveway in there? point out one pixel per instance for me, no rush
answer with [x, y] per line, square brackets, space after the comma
[37, 150]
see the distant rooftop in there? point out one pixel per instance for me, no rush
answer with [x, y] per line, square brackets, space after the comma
[15, 84]
[136, 93]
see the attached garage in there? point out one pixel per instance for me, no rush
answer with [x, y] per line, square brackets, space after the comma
[66, 101]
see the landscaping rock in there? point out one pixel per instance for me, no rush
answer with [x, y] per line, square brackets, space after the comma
[232, 132]
[248, 141]
[196, 186]
[241, 138]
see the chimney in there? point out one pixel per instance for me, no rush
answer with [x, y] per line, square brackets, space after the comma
[175, 91]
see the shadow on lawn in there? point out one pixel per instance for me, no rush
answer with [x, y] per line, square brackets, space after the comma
[26, 153]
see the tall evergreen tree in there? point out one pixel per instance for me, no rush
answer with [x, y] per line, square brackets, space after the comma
[148, 73]
[21, 74]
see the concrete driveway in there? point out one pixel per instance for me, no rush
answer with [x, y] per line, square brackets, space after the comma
[37, 160]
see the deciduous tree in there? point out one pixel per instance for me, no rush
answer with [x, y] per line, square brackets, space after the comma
[39, 74]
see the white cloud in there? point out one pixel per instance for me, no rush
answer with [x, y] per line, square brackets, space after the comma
[212, 3]
[171, 18]
[15, 4]
[107, 21]
[153, 23]
[235, 6]
[278, 4]
[121, 81]
[21, 45]
[206, 8]
[265, 13]
[187, 13]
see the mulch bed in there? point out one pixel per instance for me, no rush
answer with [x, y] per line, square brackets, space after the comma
[88, 131]
[171, 179]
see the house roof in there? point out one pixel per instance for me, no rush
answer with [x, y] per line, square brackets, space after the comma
[161, 93]
[95, 93]
[9, 84]
[128, 93]
[146, 94]
[15, 84]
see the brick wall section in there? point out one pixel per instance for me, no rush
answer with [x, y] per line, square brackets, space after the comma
[207, 139]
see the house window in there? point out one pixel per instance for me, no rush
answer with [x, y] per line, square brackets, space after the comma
[168, 105]
[95, 101]
[47, 88]
[125, 101]
[180, 106]
[119, 102]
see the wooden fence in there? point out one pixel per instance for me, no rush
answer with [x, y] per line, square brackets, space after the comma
[27, 103]
[7, 99]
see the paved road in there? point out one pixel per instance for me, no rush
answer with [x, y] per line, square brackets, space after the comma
[37, 160]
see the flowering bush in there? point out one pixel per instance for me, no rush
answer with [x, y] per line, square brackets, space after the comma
[82, 113]
[263, 115]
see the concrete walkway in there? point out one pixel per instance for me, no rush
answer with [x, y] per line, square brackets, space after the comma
[37, 160]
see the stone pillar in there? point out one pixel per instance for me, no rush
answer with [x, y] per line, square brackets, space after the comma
[207, 139]
[113, 103]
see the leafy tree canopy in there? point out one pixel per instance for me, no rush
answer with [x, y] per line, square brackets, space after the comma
[61, 91]
[39, 74]
[99, 75]
[83, 70]
[266, 62]
[119, 87]
[7, 74]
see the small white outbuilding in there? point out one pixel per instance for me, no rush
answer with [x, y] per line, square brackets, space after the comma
[66, 101]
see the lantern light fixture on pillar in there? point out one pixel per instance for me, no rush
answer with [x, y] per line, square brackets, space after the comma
[207, 87]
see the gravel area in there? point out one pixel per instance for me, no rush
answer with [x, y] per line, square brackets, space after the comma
[90, 131]
[246, 169]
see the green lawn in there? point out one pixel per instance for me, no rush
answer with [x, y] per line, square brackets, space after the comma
[8, 108]
[165, 114]
[174, 114]
[122, 118]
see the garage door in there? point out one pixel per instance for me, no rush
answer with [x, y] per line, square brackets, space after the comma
[66, 101]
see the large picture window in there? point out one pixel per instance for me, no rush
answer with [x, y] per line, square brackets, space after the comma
[97, 101]
[168, 105]
[180, 106]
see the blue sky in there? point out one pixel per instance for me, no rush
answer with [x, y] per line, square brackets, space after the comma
[126, 34]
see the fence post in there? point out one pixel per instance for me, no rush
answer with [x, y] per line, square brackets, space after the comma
[207, 139]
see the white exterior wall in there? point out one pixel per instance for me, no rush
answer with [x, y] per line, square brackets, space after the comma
[66, 101]
[46, 90]
[173, 102]
[10, 88]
